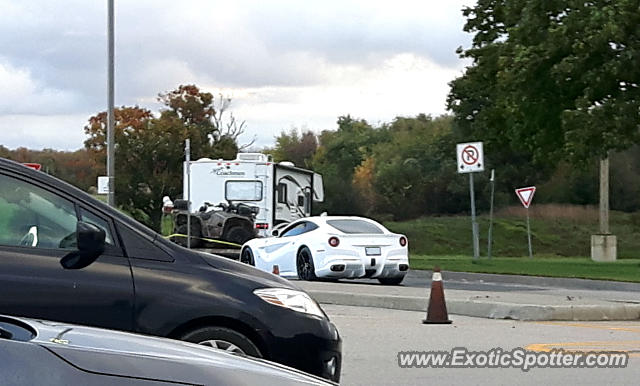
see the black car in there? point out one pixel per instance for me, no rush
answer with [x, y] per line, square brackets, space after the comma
[38, 352]
[65, 256]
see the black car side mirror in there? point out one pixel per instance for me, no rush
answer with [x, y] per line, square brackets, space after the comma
[274, 233]
[91, 245]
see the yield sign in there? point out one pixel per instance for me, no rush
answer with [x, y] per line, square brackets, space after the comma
[526, 195]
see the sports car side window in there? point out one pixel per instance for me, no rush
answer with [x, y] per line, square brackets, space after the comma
[300, 228]
[310, 227]
[295, 230]
[33, 217]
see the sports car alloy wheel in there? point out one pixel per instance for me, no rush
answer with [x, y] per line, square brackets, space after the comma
[247, 256]
[304, 264]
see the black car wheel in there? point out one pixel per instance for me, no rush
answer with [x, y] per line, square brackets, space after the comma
[224, 339]
[238, 235]
[247, 256]
[195, 235]
[391, 280]
[304, 264]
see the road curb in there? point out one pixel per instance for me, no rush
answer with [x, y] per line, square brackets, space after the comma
[485, 309]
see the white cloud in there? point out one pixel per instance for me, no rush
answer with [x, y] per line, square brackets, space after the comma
[405, 85]
[61, 132]
[21, 94]
[285, 62]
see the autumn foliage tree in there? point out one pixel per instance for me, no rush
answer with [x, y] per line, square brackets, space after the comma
[78, 168]
[150, 150]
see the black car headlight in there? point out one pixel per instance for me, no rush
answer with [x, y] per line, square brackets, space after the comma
[294, 300]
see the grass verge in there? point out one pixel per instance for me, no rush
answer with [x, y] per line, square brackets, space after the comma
[563, 231]
[574, 267]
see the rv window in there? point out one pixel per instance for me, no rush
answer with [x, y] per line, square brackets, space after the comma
[282, 193]
[243, 190]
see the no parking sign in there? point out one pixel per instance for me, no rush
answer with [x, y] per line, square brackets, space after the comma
[470, 157]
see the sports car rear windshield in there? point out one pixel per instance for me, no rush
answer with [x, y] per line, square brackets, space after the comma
[355, 226]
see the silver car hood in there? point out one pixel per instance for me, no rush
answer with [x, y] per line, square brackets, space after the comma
[130, 355]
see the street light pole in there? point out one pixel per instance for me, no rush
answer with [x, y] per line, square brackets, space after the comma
[110, 102]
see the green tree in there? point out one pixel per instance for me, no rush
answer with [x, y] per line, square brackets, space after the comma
[295, 147]
[555, 79]
[339, 153]
[415, 170]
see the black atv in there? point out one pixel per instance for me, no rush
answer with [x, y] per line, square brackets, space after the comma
[234, 223]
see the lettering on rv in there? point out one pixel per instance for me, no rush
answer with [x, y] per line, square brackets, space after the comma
[222, 171]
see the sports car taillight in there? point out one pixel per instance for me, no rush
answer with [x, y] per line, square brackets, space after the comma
[403, 241]
[334, 241]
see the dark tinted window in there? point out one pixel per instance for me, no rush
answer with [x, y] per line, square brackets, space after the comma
[299, 229]
[294, 230]
[355, 226]
[34, 217]
[309, 227]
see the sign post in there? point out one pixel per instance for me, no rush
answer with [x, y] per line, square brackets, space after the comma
[493, 183]
[526, 196]
[470, 158]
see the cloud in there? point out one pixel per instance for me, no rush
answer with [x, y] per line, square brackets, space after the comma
[61, 132]
[404, 85]
[21, 94]
[285, 62]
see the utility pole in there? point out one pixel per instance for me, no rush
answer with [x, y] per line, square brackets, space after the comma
[604, 196]
[604, 246]
[187, 157]
[111, 199]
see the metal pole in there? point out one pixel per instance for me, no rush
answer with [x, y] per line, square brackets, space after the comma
[529, 235]
[111, 199]
[187, 154]
[493, 182]
[474, 224]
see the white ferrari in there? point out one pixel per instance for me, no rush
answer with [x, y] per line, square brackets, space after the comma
[332, 247]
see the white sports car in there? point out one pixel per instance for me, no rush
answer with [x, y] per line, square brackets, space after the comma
[331, 247]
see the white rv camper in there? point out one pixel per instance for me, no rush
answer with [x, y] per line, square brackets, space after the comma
[281, 191]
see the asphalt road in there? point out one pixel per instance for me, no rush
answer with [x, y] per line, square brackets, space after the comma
[372, 338]
[596, 289]
[493, 282]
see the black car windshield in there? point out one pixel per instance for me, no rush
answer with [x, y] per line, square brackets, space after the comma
[355, 226]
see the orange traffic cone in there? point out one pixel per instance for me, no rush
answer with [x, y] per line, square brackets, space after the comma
[276, 269]
[437, 311]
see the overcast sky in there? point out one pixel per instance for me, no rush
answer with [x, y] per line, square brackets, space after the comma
[296, 63]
